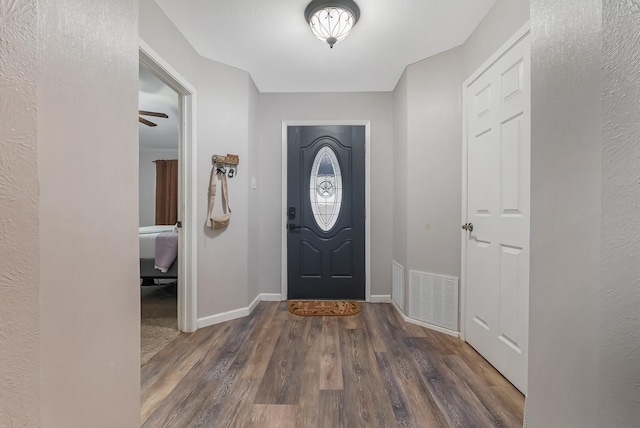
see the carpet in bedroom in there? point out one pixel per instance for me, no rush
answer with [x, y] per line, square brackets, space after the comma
[159, 316]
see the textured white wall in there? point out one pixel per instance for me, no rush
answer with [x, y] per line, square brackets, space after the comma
[274, 108]
[19, 218]
[565, 213]
[147, 191]
[87, 170]
[620, 249]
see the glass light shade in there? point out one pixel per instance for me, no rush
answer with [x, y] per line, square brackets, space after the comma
[332, 21]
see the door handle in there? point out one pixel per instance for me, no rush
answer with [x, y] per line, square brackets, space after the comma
[291, 226]
[468, 226]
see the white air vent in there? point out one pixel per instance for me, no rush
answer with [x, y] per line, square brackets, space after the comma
[397, 285]
[434, 299]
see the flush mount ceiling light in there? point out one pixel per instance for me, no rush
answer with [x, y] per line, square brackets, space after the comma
[332, 21]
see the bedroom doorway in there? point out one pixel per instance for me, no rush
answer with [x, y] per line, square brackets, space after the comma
[158, 212]
[177, 160]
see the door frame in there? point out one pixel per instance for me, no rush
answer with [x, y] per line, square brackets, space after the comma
[187, 250]
[512, 41]
[367, 196]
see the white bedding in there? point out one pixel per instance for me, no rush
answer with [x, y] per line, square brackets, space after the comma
[148, 239]
[144, 230]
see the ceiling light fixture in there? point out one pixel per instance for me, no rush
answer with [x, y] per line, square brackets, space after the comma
[332, 21]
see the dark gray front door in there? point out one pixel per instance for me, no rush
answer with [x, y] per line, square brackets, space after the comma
[326, 212]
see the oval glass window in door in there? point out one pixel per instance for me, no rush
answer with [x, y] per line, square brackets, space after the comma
[325, 188]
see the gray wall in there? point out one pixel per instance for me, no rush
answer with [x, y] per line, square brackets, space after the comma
[400, 168]
[274, 108]
[620, 245]
[226, 120]
[434, 163]
[254, 194]
[428, 136]
[505, 18]
[223, 114]
[229, 97]
[147, 180]
[88, 194]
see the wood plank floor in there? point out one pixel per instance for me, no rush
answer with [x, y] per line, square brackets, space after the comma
[275, 369]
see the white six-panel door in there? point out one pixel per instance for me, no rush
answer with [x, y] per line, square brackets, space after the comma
[496, 251]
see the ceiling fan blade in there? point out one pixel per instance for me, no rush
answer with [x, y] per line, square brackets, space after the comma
[152, 113]
[146, 122]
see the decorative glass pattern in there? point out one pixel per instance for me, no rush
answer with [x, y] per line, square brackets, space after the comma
[325, 188]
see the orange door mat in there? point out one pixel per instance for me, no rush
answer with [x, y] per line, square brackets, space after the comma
[321, 308]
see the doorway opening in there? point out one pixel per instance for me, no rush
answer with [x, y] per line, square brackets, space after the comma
[184, 267]
[158, 212]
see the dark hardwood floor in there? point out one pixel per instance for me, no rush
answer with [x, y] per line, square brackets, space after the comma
[275, 369]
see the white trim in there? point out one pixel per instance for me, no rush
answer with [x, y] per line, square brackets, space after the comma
[424, 324]
[513, 40]
[274, 297]
[223, 317]
[380, 298]
[238, 313]
[283, 214]
[254, 303]
[463, 235]
[367, 209]
[432, 327]
[271, 297]
[367, 196]
[187, 258]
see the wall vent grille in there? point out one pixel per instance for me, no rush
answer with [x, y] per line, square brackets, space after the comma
[397, 285]
[434, 299]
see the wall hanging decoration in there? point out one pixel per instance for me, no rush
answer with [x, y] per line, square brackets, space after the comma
[222, 165]
[229, 162]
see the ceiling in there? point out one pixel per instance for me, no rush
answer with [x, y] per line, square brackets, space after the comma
[155, 95]
[271, 40]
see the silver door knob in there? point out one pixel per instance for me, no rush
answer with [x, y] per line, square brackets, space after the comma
[468, 226]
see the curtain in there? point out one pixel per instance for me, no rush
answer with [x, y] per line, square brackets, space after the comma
[166, 191]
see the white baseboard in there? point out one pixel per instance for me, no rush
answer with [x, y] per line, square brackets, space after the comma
[223, 317]
[238, 313]
[271, 297]
[253, 304]
[275, 297]
[397, 309]
[380, 298]
[426, 324]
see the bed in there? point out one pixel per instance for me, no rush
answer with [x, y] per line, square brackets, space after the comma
[158, 253]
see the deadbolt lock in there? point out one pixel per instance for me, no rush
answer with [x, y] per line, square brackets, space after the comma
[468, 226]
